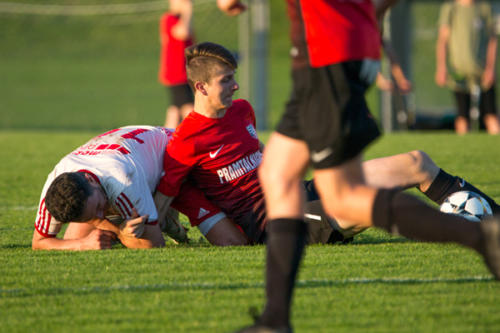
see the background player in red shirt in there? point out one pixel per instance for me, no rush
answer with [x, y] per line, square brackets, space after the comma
[175, 35]
[327, 123]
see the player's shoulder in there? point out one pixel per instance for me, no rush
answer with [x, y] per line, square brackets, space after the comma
[242, 106]
[188, 130]
[447, 6]
[241, 103]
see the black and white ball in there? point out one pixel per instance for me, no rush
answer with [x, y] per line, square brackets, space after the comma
[468, 204]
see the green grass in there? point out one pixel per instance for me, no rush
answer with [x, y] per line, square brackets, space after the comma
[378, 284]
[65, 79]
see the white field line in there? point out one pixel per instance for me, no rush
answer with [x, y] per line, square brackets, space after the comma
[21, 208]
[207, 286]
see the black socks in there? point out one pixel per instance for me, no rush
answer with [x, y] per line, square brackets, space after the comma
[446, 184]
[403, 214]
[286, 239]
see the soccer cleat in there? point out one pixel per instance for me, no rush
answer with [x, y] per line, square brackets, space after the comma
[490, 228]
[261, 328]
[257, 328]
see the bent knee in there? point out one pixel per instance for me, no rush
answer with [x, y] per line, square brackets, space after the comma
[421, 161]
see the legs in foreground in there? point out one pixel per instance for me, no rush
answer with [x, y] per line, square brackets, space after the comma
[344, 195]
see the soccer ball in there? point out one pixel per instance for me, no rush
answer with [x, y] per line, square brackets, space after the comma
[468, 204]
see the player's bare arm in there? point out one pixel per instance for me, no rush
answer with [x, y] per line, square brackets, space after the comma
[441, 53]
[489, 71]
[172, 228]
[183, 29]
[97, 239]
[231, 7]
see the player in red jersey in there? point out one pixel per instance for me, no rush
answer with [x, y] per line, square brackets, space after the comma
[327, 124]
[175, 35]
[217, 144]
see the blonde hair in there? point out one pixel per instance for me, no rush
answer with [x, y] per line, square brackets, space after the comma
[202, 61]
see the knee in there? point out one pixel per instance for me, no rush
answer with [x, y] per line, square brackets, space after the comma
[421, 162]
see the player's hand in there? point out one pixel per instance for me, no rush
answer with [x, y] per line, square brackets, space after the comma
[383, 83]
[133, 227]
[404, 86]
[441, 77]
[231, 7]
[98, 240]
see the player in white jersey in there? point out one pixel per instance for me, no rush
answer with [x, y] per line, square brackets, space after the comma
[114, 174]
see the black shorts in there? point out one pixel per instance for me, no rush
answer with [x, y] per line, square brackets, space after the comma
[328, 111]
[487, 102]
[180, 94]
[320, 229]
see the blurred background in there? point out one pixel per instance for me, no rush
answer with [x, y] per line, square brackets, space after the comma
[92, 65]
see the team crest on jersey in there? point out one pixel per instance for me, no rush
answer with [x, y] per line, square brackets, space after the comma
[252, 131]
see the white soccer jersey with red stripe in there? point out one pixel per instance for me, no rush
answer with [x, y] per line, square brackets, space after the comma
[127, 162]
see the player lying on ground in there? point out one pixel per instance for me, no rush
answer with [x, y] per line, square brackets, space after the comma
[217, 148]
[113, 175]
[402, 171]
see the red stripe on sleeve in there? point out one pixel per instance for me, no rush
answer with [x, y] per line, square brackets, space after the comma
[122, 210]
[123, 205]
[123, 195]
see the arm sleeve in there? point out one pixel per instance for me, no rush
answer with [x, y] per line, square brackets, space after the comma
[178, 162]
[445, 15]
[251, 113]
[193, 203]
[489, 21]
[164, 28]
[46, 224]
[137, 195]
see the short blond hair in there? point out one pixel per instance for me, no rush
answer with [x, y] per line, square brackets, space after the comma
[202, 60]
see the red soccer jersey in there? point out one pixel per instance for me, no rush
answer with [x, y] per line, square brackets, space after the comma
[220, 156]
[340, 30]
[172, 62]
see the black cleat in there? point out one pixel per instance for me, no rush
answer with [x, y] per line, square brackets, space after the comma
[490, 228]
[257, 328]
[261, 328]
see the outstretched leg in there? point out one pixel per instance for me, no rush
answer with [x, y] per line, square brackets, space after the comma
[416, 168]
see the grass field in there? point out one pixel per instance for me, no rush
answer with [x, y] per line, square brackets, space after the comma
[66, 79]
[378, 284]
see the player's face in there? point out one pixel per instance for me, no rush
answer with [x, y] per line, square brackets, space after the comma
[96, 205]
[221, 88]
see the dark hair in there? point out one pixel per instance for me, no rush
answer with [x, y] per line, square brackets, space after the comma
[202, 58]
[67, 195]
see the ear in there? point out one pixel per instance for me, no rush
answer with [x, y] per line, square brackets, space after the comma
[89, 178]
[200, 86]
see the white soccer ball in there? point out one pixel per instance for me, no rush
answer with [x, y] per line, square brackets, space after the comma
[468, 204]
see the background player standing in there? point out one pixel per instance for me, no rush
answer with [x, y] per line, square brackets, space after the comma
[175, 35]
[467, 40]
